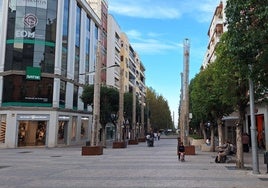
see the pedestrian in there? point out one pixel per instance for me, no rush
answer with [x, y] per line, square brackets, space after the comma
[208, 142]
[155, 136]
[158, 135]
[245, 142]
[181, 151]
[224, 150]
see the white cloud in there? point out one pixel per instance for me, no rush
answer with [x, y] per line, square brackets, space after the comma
[134, 34]
[144, 9]
[151, 43]
[201, 10]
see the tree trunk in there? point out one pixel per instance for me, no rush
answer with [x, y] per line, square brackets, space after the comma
[220, 133]
[239, 146]
[202, 127]
[212, 140]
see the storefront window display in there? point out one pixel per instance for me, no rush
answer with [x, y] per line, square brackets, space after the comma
[74, 127]
[62, 132]
[84, 128]
[2, 128]
[32, 133]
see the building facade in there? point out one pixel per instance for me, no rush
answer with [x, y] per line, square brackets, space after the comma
[48, 54]
[216, 29]
[46, 45]
[132, 73]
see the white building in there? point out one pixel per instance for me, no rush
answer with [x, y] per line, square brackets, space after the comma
[46, 45]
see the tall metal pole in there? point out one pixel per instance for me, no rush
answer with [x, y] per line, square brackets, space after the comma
[186, 46]
[148, 116]
[96, 101]
[255, 159]
[142, 117]
[181, 110]
[134, 110]
[121, 105]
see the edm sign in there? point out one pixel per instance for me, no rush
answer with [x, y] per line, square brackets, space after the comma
[33, 73]
[30, 20]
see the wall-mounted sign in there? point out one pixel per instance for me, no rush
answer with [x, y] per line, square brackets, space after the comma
[33, 3]
[33, 117]
[33, 73]
[30, 20]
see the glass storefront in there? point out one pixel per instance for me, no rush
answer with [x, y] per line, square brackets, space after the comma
[110, 131]
[74, 127]
[62, 132]
[84, 128]
[32, 133]
[3, 128]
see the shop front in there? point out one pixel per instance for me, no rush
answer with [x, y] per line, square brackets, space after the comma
[32, 130]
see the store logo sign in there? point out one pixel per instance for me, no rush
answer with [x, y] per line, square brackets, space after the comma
[33, 73]
[30, 20]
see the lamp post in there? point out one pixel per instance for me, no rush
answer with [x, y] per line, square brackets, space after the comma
[120, 143]
[95, 148]
[255, 159]
[134, 110]
[148, 117]
[142, 117]
[121, 107]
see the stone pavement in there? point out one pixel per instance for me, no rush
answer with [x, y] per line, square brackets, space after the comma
[136, 166]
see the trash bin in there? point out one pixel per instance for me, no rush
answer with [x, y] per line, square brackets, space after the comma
[266, 159]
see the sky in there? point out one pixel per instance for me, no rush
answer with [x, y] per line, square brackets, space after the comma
[156, 30]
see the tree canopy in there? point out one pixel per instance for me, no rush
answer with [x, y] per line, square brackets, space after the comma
[160, 115]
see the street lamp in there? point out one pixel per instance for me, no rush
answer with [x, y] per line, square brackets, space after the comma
[103, 68]
[94, 148]
[142, 118]
[134, 110]
[121, 107]
[119, 143]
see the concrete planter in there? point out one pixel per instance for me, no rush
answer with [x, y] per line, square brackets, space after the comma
[133, 142]
[92, 150]
[141, 139]
[197, 142]
[119, 144]
[189, 150]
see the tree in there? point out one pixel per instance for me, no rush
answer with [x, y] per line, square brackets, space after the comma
[109, 101]
[159, 111]
[198, 100]
[248, 38]
[208, 101]
[246, 48]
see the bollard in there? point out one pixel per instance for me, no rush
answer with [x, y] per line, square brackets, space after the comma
[266, 159]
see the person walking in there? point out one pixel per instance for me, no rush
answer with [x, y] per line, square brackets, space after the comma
[181, 151]
[245, 142]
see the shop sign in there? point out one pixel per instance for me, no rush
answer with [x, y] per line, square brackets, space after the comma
[64, 118]
[30, 21]
[24, 34]
[32, 117]
[33, 73]
[33, 3]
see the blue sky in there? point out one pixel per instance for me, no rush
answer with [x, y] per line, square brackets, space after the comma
[156, 30]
